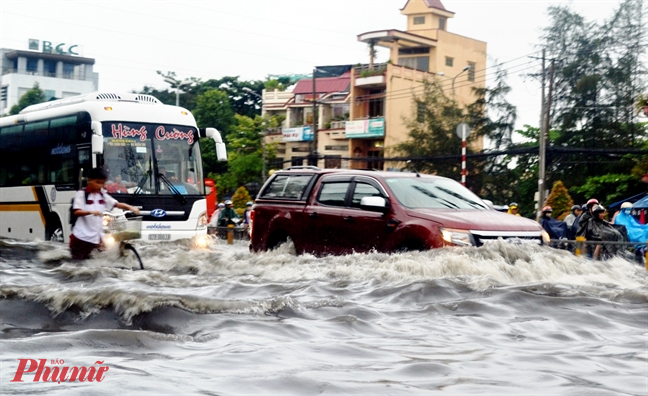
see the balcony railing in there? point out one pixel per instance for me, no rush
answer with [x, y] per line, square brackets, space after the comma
[366, 71]
[65, 75]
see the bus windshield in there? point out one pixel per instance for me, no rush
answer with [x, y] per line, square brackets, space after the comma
[149, 158]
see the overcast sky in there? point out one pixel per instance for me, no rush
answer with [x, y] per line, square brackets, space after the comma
[251, 39]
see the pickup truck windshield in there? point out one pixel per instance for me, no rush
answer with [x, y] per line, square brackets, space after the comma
[429, 193]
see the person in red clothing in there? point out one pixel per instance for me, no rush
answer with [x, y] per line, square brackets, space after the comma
[88, 207]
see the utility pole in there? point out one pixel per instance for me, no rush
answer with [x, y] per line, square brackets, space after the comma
[544, 133]
[313, 152]
[541, 144]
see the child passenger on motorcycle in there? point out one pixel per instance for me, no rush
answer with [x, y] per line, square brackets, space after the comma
[89, 205]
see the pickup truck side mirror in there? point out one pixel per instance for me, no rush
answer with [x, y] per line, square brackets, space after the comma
[374, 204]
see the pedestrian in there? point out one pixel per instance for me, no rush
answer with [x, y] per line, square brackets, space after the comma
[228, 215]
[88, 207]
[513, 209]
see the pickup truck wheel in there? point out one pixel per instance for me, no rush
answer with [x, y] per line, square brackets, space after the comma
[277, 239]
[410, 246]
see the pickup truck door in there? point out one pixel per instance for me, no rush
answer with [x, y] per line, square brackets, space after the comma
[324, 217]
[365, 230]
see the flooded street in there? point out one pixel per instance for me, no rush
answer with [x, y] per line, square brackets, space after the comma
[500, 319]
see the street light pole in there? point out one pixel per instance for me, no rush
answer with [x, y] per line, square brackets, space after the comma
[177, 84]
[455, 77]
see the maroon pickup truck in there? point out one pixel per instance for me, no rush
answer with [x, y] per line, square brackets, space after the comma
[341, 211]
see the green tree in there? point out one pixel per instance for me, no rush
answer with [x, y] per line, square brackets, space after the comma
[559, 200]
[245, 151]
[432, 132]
[240, 198]
[599, 73]
[610, 188]
[34, 96]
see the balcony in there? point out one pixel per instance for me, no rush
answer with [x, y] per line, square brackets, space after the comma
[366, 77]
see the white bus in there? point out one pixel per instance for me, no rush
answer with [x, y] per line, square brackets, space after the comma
[149, 150]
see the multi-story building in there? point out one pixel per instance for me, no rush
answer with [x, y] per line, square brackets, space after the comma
[59, 72]
[362, 109]
[295, 140]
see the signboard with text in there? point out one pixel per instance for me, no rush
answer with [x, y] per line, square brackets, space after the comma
[298, 134]
[362, 129]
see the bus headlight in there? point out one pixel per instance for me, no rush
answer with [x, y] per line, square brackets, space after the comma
[457, 237]
[202, 221]
[201, 241]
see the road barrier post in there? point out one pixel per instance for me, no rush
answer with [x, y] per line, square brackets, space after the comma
[230, 234]
[579, 245]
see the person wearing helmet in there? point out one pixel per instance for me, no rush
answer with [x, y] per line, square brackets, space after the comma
[246, 213]
[575, 212]
[513, 209]
[213, 222]
[586, 216]
[598, 229]
[555, 228]
[228, 215]
[625, 205]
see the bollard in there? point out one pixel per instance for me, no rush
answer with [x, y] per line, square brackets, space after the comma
[230, 234]
[579, 245]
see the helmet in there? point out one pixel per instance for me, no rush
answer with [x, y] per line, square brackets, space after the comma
[626, 205]
[221, 205]
[229, 202]
[513, 205]
[592, 201]
[249, 203]
[584, 207]
[575, 207]
[598, 208]
[547, 209]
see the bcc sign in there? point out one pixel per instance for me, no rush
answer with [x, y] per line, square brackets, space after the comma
[48, 47]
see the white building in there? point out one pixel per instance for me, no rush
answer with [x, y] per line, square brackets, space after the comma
[59, 75]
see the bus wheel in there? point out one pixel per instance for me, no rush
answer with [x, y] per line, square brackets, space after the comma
[54, 232]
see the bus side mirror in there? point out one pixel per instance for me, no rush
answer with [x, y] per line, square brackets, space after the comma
[221, 151]
[97, 144]
[97, 138]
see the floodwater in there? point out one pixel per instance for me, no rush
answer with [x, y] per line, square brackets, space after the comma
[500, 319]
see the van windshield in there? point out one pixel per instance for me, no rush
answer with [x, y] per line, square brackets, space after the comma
[433, 193]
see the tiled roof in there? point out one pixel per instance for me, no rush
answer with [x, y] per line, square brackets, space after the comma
[324, 84]
[435, 4]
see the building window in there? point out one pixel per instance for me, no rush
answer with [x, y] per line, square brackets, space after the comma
[471, 71]
[449, 61]
[416, 62]
[32, 65]
[414, 51]
[68, 70]
[442, 23]
[419, 20]
[420, 112]
[50, 68]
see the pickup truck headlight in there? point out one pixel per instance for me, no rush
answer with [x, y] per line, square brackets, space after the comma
[457, 237]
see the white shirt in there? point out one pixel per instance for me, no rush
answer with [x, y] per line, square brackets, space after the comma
[89, 228]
